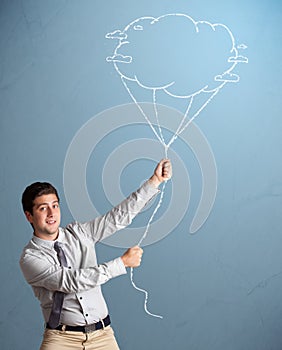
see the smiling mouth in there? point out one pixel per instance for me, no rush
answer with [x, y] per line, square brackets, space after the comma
[51, 222]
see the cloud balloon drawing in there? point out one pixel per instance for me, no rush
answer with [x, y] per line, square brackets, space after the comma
[176, 57]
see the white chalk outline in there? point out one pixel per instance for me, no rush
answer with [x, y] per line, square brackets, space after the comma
[225, 77]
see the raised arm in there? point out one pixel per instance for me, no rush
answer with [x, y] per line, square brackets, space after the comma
[122, 215]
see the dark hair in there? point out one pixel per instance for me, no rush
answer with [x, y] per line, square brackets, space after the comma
[35, 190]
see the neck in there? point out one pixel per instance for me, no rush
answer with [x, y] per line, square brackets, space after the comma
[47, 236]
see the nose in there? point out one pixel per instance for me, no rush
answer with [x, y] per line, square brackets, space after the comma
[50, 211]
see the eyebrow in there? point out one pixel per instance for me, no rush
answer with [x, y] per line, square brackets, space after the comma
[46, 203]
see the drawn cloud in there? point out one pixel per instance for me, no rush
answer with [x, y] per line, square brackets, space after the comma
[176, 53]
[238, 59]
[117, 34]
[119, 58]
[138, 27]
[227, 77]
[242, 46]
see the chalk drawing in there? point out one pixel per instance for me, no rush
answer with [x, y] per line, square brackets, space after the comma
[176, 56]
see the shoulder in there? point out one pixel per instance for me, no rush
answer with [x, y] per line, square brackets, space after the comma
[36, 249]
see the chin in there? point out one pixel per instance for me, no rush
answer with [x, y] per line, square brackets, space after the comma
[53, 232]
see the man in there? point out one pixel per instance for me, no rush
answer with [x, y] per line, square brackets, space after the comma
[61, 266]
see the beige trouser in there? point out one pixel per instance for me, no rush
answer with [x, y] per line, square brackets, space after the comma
[102, 339]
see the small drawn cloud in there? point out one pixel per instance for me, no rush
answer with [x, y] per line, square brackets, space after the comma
[138, 27]
[242, 46]
[119, 58]
[228, 77]
[117, 34]
[238, 59]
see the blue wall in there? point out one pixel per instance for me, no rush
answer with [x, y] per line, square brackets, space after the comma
[219, 288]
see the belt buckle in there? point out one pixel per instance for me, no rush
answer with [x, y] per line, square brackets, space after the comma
[90, 328]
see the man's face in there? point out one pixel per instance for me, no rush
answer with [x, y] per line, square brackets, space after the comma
[46, 216]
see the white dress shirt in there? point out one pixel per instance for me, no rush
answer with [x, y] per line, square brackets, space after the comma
[82, 279]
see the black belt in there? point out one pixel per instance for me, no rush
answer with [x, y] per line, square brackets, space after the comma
[85, 329]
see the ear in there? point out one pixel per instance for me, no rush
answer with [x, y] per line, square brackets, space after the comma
[29, 216]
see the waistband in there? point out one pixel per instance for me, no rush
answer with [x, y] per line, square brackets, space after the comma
[85, 329]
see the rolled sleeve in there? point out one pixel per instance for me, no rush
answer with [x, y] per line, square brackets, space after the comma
[115, 268]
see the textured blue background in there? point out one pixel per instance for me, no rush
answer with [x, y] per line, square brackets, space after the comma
[218, 289]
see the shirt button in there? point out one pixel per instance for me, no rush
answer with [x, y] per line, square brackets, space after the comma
[80, 298]
[86, 315]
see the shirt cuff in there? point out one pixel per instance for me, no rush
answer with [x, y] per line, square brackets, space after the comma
[116, 267]
[149, 189]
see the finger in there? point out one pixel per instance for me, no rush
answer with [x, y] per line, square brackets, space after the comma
[166, 173]
[135, 248]
[165, 167]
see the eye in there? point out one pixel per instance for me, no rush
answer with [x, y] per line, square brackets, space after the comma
[42, 208]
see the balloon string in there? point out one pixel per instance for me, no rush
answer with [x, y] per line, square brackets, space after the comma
[145, 292]
[157, 117]
[160, 137]
[179, 130]
[185, 115]
[153, 215]
[146, 295]
[143, 113]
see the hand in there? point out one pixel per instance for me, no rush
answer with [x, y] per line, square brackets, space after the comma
[132, 257]
[163, 172]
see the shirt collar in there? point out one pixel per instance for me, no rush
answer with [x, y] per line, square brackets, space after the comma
[48, 244]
